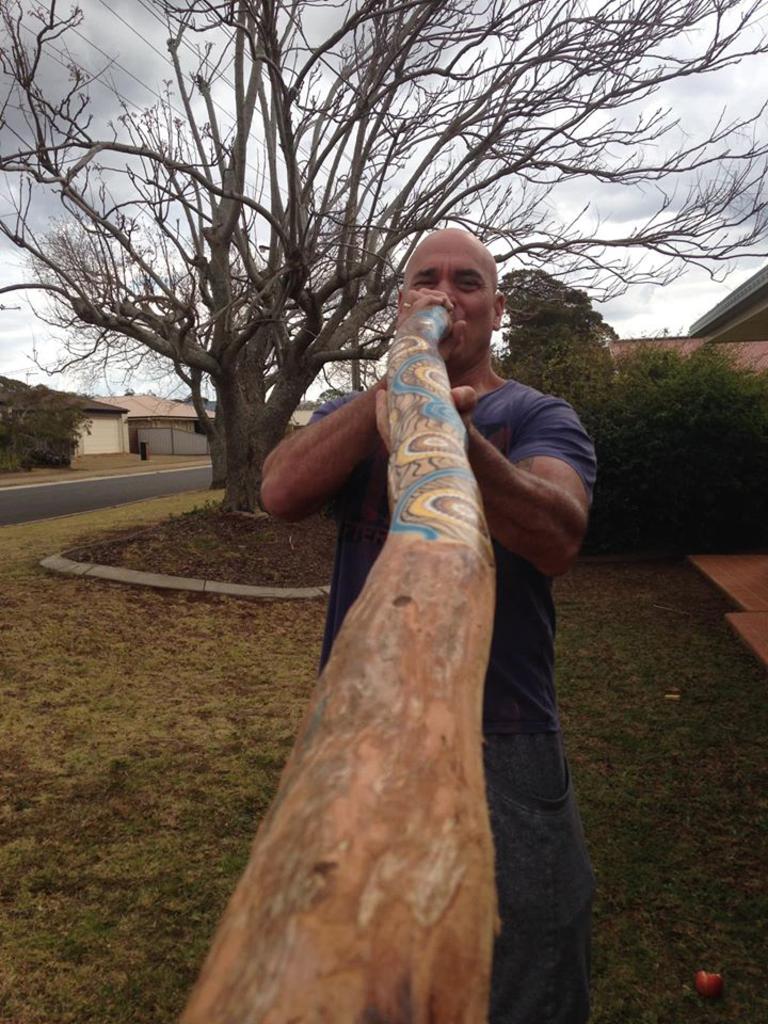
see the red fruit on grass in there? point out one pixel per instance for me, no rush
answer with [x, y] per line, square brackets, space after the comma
[709, 985]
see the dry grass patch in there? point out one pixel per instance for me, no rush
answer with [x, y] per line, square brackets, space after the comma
[144, 733]
[143, 737]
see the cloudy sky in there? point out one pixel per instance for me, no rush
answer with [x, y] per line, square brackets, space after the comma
[127, 40]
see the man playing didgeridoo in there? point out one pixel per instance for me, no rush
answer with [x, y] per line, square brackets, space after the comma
[535, 467]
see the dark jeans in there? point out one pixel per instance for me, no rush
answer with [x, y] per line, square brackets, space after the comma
[544, 881]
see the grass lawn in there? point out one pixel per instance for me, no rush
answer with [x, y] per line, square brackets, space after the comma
[143, 735]
[674, 794]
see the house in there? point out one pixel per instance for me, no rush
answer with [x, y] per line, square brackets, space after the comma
[748, 355]
[741, 316]
[105, 432]
[302, 414]
[737, 324]
[168, 427]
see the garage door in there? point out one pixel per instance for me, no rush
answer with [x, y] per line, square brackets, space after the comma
[105, 437]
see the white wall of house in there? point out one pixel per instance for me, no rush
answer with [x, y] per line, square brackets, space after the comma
[103, 435]
[301, 417]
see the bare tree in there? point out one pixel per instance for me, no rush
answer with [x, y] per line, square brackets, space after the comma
[94, 353]
[254, 223]
[356, 375]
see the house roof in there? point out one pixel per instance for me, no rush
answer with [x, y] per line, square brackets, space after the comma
[748, 300]
[146, 406]
[748, 355]
[95, 405]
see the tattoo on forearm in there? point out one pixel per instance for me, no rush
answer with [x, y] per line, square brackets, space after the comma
[524, 463]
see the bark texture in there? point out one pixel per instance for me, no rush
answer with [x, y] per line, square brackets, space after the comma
[369, 895]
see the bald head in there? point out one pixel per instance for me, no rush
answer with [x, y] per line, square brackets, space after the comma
[457, 243]
[454, 269]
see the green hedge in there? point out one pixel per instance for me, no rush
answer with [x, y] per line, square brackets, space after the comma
[38, 426]
[682, 447]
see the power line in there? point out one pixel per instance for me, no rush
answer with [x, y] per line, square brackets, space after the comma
[166, 60]
[62, 57]
[150, 10]
[220, 75]
[65, 60]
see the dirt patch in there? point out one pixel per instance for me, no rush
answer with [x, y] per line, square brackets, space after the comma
[229, 547]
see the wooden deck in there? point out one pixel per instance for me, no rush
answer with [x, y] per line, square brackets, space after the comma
[752, 628]
[744, 580]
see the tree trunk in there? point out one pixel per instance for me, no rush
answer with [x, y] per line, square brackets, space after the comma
[252, 427]
[218, 460]
[213, 428]
[369, 894]
[355, 366]
[245, 443]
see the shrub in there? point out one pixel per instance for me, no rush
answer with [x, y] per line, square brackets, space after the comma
[47, 455]
[682, 447]
[38, 427]
[9, 461]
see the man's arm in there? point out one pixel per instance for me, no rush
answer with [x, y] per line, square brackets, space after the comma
[305, 470]
[536, 508]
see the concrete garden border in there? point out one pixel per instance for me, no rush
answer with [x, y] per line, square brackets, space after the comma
[58, 563]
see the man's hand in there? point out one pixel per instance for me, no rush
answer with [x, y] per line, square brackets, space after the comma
[417, 300]
[464, 398]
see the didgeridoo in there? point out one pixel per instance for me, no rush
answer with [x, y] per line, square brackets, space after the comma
[369, 896]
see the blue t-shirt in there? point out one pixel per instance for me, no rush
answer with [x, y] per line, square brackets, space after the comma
[520, 422]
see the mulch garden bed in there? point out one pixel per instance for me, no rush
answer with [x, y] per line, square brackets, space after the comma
[228, 547]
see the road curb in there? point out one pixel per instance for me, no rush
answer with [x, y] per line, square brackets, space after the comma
[132, 577]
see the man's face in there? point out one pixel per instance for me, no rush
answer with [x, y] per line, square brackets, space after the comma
[458, 265]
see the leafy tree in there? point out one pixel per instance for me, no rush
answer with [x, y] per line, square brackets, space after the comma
[553, 339]
[37, 426]
[253, 225]
[330, 393]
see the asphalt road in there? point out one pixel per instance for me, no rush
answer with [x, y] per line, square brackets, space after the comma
[41, 501]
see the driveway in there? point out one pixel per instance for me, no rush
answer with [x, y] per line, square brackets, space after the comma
[23, 504]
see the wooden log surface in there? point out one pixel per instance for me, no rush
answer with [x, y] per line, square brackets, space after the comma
[369, 895]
